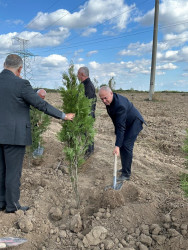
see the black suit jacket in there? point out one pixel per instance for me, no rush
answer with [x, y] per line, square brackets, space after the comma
[16, 96]
[90, 94]
[123, 114]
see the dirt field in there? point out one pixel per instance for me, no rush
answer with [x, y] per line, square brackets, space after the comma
[149, 212]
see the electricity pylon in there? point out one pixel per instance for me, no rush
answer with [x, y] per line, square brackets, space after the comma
[26, 56]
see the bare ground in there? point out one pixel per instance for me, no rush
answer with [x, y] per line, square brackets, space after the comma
[149, 212]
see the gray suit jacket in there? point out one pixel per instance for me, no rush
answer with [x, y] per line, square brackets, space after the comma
[16, 96]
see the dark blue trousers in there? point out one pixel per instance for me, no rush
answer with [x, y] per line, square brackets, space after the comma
[126, 151]
[11, 160]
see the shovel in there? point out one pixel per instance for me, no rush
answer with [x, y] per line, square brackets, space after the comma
[116, 186]
[11, 242]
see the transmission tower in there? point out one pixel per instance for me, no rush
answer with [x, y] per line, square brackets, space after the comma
[24, 53]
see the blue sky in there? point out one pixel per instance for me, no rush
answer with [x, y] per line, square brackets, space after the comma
[113, 38]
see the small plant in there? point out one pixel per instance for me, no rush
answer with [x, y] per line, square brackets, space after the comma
[39, 124]
[185, 148]
[184, 176]
[78, 134]
[112, 83]
[184, 183]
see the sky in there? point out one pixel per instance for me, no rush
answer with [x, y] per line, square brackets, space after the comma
[113, 38]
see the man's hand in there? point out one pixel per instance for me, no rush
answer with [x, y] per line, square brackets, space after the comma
[69, 117]
[116, 151]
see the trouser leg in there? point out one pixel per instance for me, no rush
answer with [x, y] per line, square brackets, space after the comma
[14, 156]
[90, 148]
[126, 151]
[2, 177]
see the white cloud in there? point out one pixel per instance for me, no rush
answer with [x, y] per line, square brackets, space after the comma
[160, 73]
[172, 14]
[6, 41]
[36, 39]
[136, 49]
[77, 52]
[52, 38]
[90, 53]
[94, 65]
[15, 22]
[175, 40]
[80, 59]
[174, 55]
[89, 31]
[91, 13]
[54, 61]
[168, 66]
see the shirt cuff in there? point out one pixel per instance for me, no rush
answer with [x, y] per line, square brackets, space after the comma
[63, 116]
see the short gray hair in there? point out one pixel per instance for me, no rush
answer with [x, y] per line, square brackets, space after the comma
[13, 61]
[84, 70]
[105, 88]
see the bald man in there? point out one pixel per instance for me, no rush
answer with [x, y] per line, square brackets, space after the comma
[41, 93]
[128, 122]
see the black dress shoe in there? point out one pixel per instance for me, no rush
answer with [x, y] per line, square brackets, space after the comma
[123, 178]
[21, 208]
[88, 154]
[2, 208]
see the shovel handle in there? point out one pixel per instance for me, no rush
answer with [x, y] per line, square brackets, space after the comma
[115, 172]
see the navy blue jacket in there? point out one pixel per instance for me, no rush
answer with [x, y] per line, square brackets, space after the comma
[16, 96]
[123, 114]
[90, 94]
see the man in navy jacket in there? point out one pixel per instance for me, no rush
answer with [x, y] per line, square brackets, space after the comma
[127, 122]
[83, 76]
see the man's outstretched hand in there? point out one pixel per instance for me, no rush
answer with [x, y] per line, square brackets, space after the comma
[69, 116]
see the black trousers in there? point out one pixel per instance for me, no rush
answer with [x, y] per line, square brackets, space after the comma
[126, 151]
[11, 160]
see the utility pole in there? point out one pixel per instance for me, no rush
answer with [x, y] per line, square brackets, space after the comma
[154, 51]
[25, 55]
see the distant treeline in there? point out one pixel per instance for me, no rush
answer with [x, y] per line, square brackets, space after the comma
[49, 90]
[124, 91]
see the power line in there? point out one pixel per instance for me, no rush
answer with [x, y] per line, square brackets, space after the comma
[45, 10]
[100, 23]
[58, 19]
[98, 40]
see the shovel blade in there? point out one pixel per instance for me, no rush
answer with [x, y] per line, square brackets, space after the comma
[116, 187]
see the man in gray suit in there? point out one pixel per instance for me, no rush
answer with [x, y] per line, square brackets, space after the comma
[16, 96]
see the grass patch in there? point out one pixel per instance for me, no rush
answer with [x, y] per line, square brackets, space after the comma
[184, 176]
[185, 148]
[184, 183]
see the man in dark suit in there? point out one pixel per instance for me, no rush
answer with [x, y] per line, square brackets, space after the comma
[83, 76]
[16, 96]
[127, 122]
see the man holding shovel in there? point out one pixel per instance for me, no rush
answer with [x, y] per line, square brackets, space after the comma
[128, 123]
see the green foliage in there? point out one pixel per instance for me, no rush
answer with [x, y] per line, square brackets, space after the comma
[184, 183]
[185, 147]
[79, 133]
[102, 85]
[39, 124]
[96, 84]
[184, 176]
[112, 83]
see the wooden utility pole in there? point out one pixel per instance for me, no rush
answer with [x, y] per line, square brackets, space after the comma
[154, 51]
